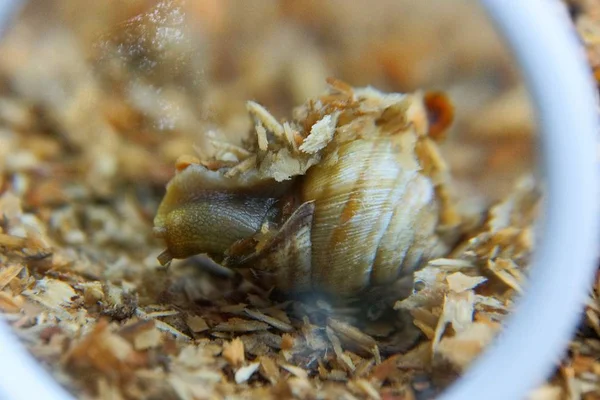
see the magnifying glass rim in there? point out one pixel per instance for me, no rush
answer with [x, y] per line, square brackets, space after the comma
[565, 261]
[545, 318]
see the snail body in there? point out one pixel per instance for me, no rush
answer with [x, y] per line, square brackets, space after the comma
[349, 195]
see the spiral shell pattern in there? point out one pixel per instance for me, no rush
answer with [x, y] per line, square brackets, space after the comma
[351, 194]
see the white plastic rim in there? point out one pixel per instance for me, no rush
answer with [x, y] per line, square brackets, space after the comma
[21, 376]
[565, 261]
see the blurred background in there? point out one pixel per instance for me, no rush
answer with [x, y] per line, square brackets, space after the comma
[120, 89]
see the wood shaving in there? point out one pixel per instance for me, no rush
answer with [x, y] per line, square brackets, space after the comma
[462, 349]
[367, 388]
[148, 339]
[196, 324]
[244, 373]
[9, 273]
[233, 352]
[320, 135]
[296, 371]
[457, 310]
[88, 142]
[459, 282]
[240, 325]
[269, 369]
[274, 322]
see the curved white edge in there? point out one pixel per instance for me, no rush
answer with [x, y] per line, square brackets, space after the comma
[8, 9]
[565, 260]
[21, 376]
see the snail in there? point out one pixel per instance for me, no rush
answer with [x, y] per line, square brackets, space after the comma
[351, 194]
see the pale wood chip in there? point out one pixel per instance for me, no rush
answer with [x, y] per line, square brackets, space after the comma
[364, 367]
[244, 373]
[277, 313]
[321, 133]
[287, 341]
[430, 295]
[242, 167]
[233, 308]
[108, 391]
[490, 302]
[10, 304]
[290, 135]
[9, 273]
[258, 301]
[351, 333]
[340, 86]
[163, 326]
[301, 388]
[261, 137]
[92, 292]
[337, 375]
[418, 358]
[53, 294]
[221, 335]
[458, 310]
[512, 269]
[226, 147]
[459, 282]
[194, 357]
[339, 352]
[367, 389]
[196, 323]
[118, 346]
[462, 348]
[376, 354]
[12, 242]
[594, 320]
[265, 117]
[547, 392]
[147, 339]
[425, 317]
[188, 388]
[504, 275]
[274, 322]
[158, 314]
[572, 386]
[100, 349]
[296, 371]
[233, 352]
[240, 325]
[185, 161]
[323, 372]
[593, 304]
[451, 263]
[427, 330]
[269, 369]
[582, 364]
[261, 340]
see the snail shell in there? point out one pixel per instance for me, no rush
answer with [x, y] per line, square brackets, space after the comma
[351, 194]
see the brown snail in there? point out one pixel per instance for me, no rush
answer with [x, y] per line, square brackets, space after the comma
[350, 194]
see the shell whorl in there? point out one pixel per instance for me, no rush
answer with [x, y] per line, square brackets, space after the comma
[374, 213]
[367, 185]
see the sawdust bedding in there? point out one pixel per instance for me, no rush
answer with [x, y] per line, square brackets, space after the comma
[87, 146]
